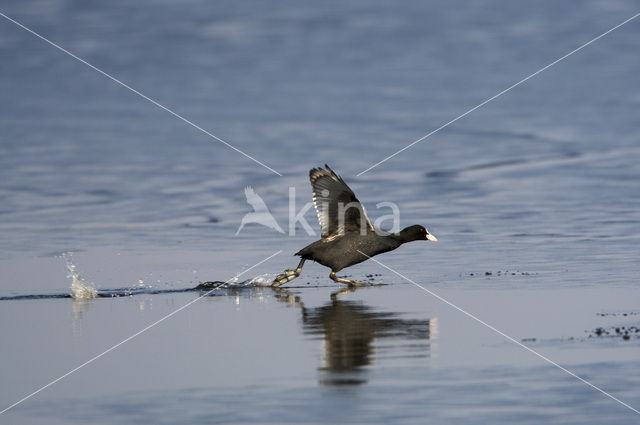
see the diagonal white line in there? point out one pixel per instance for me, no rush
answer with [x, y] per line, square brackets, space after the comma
[500, 94]
[133, 336]
[515, 341]
[114, 79]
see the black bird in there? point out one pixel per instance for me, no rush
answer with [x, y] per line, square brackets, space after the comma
[348, 237]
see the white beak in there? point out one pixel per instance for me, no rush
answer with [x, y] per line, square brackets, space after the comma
[431, 237]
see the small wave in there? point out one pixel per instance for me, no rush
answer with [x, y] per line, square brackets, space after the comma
[83, 291]
[34, 297]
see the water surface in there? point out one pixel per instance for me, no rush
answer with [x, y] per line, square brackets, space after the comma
[534, 200]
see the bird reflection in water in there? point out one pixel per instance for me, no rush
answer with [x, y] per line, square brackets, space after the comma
[354, 336]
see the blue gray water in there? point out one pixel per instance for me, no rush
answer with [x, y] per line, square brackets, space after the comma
[543, 182]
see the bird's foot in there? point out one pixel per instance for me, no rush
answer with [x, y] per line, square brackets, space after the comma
[351, 283]
[285, 277]
[288, 275]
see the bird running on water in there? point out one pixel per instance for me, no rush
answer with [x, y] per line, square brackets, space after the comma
[348, 237]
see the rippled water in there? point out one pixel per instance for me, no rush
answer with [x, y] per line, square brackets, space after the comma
[533, 197]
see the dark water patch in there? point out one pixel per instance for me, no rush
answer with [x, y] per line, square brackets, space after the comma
[127, 292]
[496, 134]
[626, 332]
[200, 225]
[543, 235]
[455, 189]
[632, 313]
[607, 222]
[107, 193]
[500, 273]
[515, 215]
[499, 164]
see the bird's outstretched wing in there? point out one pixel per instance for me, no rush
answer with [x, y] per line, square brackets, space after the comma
[332, 199]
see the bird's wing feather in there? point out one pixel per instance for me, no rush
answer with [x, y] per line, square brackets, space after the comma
[331, 197]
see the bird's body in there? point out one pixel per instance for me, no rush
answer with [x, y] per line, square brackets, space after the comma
[348, 237]
[350, 249]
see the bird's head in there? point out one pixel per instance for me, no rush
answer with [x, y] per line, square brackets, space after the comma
[416, 233]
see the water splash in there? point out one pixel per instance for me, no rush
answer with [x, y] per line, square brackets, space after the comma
[79, 289]
[263, 280]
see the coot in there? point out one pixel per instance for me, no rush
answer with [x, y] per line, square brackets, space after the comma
[348, 237]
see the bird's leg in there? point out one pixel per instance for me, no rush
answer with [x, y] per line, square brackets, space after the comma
[333, 276]
[288, 275]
